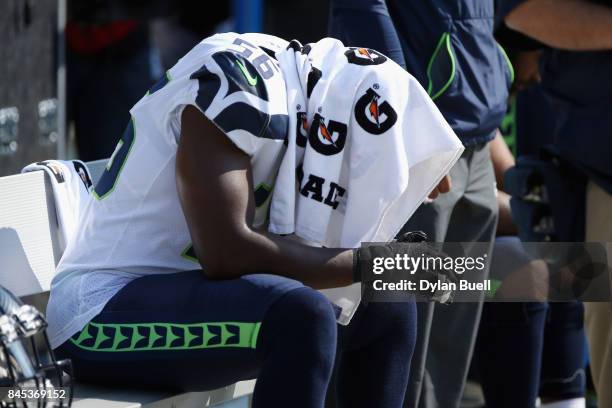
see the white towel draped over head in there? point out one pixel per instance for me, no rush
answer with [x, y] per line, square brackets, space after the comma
[366, 145]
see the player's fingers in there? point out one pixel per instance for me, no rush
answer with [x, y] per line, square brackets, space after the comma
[445, 184]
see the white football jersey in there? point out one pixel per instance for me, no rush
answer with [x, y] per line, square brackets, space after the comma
[135, 225]
[361, 135]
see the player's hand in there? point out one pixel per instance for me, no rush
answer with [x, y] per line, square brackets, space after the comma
[430, 251]
[443, 186]
[414, 245]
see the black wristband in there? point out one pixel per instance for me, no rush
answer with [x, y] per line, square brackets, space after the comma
[364, 257]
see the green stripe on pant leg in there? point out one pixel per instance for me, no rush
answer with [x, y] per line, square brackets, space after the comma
[120, 337]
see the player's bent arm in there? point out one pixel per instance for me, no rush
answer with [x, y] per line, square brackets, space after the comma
[576, 25]
[214, 183]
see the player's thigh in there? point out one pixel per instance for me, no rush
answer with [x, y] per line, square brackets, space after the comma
[178, 330]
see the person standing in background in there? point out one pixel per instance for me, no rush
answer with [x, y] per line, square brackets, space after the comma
[534, 348]
[110, 65]
[575, 73]
[448, 45]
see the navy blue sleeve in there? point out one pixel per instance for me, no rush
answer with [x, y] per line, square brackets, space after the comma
[365, 23]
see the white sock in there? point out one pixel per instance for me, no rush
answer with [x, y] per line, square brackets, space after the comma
[568, 403]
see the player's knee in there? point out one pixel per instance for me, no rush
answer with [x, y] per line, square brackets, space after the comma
[306, 318]
[312, 312]
[312, 306]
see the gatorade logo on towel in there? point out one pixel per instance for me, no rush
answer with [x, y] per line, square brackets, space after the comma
[327, 139]
[372, 115]
[364, 56]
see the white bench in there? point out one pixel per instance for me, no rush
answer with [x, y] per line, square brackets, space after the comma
[29, 251]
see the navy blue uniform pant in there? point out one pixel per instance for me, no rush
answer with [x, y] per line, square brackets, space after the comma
[187, 332]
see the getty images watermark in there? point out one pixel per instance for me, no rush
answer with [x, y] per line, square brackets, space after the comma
[424, 263]
[513, 271]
